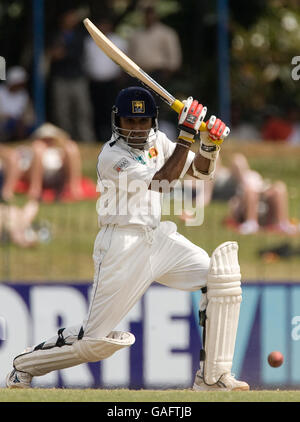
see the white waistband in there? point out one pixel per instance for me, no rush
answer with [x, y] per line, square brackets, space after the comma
[134, 228]
[130, 227]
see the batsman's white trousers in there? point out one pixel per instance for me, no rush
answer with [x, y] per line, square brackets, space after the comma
[128, 259]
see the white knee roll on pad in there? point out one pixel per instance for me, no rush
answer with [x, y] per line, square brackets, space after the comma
[224, 295]
[224, 275]
[40, 362]
[92, 350]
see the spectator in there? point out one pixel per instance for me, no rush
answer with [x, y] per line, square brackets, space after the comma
[105, 77]
[257, 202]
[71, 102]
[52, 161]
[254, 203]
[16, 111]
[242, 129]
[156, 47]
[16, 223]
[9, 172]
[283, 129]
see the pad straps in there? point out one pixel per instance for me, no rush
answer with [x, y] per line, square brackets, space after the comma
[202, 320]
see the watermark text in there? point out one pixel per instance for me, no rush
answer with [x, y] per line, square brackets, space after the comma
[295, 333]
[296, 69]
[134, 198]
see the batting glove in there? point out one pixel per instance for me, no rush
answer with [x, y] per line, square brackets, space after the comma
[213, 137]
[190, 119]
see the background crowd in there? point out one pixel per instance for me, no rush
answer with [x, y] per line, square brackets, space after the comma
[176, 47]
[179, 50]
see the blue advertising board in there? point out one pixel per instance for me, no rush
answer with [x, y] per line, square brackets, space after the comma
[168, 337]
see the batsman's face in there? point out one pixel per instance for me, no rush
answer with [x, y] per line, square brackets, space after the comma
[136, 128]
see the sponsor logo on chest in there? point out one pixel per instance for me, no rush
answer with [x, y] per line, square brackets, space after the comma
[121, 165]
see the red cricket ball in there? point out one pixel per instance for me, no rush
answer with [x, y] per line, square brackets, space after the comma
[275, 359]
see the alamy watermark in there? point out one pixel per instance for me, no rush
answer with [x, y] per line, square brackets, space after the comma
[124, 197]
[2, 68]
[295, 333]
[296, 70]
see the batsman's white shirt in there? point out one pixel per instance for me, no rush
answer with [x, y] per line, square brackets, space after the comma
[133, 248]
[124, 175]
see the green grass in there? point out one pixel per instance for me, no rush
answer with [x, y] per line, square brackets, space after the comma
[122, 395]
[68, 256]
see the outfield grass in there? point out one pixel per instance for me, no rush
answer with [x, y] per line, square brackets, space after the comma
[158, 396]
[68, 256]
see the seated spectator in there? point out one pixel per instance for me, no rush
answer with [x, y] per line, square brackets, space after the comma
[258, 203]
[283, 128]
[9, 173]
[16, 223]
[52, 161]
[254, 203]
[16, 111]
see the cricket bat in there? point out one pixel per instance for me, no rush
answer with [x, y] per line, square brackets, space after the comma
[120, 58]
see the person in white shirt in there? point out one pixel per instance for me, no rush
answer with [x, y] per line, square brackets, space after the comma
[16, 111]
[134, 248]
[105, 77]
[156, 47]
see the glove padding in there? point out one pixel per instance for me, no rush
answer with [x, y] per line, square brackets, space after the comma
[213, 137]
[190, 119]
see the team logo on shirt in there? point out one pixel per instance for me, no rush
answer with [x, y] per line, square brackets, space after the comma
[121, 165]
[138, 107]
[152, 152]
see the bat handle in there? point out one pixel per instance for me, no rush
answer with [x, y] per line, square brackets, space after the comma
[178, 106]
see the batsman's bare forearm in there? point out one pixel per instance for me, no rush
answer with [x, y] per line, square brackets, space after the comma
[201, 164]
[172, 169]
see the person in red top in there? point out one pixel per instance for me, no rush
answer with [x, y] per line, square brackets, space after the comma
[278, 128]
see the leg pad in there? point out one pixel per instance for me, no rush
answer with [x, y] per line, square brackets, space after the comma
[50, 356]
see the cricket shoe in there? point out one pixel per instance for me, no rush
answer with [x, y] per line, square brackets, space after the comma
[227, 382]
[18, 379]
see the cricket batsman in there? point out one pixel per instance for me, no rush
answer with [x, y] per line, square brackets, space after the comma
[134, 248]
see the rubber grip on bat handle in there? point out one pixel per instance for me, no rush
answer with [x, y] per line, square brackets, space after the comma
[178, 106]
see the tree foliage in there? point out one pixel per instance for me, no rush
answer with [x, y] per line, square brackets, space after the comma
[261, 57]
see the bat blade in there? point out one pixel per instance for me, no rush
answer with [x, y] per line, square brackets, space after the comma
[121, 59]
